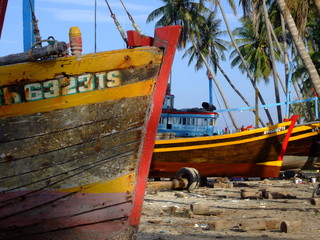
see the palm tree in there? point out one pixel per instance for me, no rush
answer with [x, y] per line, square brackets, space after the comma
[242, 59]
[313, 42]
[306, 59]
[280, 34]
[273, 60]
[255, 9]
[186, 13]
[307, 88]
[212, 48]
[300, 10]
[191, 16]
[209, 43]
[254, 49]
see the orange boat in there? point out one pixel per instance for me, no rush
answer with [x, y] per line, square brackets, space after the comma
[251, 153]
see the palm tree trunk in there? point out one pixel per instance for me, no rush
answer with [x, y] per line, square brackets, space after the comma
[305, 106]
[217, 84]
[242, 59]
[317, 4]
[300, 46]
[285, 56]
[287, 60]
[274, 67]
[237, 91]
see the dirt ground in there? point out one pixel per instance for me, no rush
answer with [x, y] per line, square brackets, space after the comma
[166, 214]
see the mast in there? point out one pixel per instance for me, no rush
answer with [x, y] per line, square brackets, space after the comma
[210, 88]
[28, 35]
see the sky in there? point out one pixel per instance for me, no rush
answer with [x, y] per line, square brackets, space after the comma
[190, 87]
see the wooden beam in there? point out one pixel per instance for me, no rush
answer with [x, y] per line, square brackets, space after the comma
[3, 8]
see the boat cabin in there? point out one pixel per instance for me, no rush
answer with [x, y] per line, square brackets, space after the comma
[190, 122]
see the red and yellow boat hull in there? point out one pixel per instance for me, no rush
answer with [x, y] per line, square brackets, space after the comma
[253, 153]
[77, 136]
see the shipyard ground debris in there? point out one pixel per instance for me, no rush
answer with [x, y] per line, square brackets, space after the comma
[276, 209]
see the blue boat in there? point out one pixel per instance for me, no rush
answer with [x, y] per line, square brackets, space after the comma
[188, 122]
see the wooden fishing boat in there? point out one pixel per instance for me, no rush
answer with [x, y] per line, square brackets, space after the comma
[188, 139]
[252, 153]
[77, 135]
[303, 151]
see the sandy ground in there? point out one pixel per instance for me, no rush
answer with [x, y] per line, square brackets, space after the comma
[166, 214]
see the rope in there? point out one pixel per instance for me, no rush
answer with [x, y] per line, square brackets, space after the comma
[50, 40]
[136, 27]
[36, 30]
[123, 35]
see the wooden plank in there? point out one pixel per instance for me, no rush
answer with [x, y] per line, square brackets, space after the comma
[15, 128]
[34, 54]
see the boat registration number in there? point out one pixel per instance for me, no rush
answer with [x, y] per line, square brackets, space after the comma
[61, 86]
[274, 130]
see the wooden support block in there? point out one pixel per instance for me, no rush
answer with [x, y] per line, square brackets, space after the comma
[253, 225]
[315, 201]
[199, 208]
[273, 223]
[203, 209]
[277, 195]
[290, 226]
[179, 195]
[222, 185]
[220, 224]
[250, 193]
[174, 184]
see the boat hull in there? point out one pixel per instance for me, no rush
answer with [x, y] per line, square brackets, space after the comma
[254, 153]
[77, 136]
[303, 152]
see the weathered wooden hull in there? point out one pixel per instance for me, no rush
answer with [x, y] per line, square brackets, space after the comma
[254, 153]
[303, 152]
[77, 136]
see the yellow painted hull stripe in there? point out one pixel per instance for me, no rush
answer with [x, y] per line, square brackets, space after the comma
[121, 184]
[204, 146]
[232, 135]
[126, 91]
[96, 62]
[271, 163]
[301, 136]
[302, 128]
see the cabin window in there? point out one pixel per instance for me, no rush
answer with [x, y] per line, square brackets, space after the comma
[169, 123]
[163, 120]
[202, 121]
[192, 121]
[176, 120]
[171, 102]
[184, 121]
